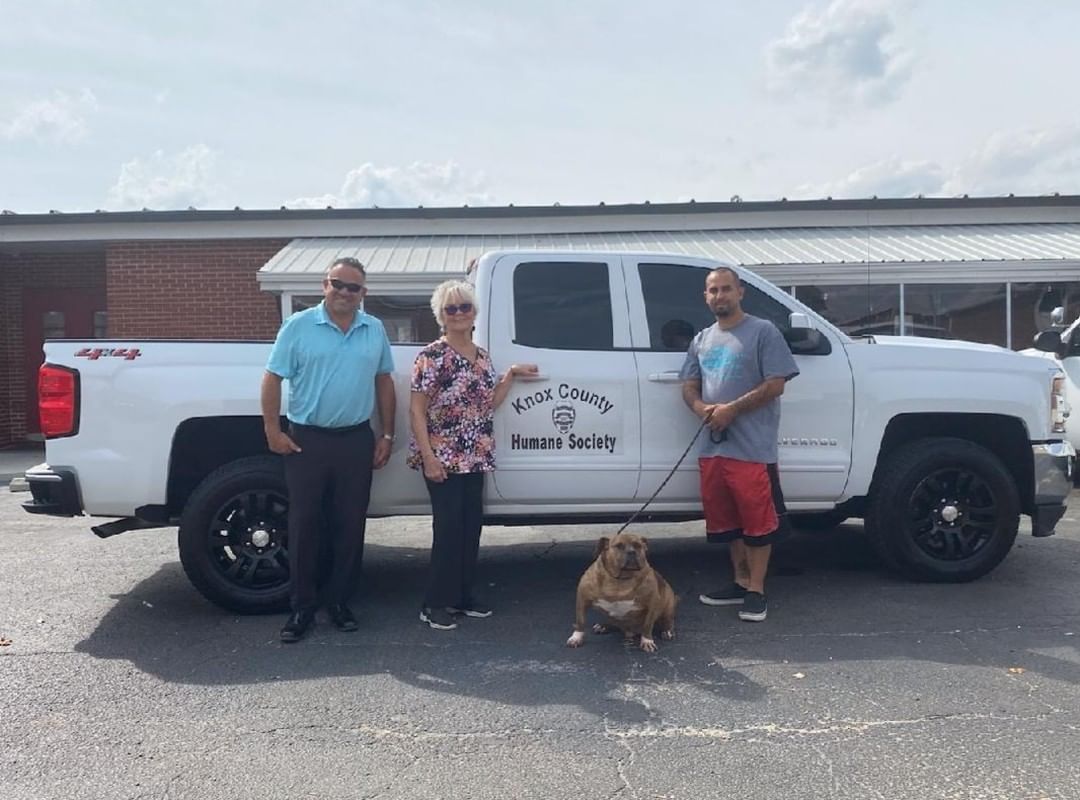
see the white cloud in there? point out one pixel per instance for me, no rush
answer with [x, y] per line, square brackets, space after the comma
[419, 183]
[166, 181]
[893, 177]
[847, 51]
[1025, 162]
[61, 118]
[1022, 162]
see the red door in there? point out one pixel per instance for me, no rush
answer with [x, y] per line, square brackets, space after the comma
[56, 314]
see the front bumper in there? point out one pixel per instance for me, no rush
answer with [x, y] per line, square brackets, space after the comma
[53, 491]
[1053, 463]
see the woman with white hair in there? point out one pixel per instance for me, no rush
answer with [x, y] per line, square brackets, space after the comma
[455, 392]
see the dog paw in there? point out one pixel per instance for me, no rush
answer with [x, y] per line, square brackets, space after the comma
[601, 629]
[648, 645]
[577, 639]
[668, 635]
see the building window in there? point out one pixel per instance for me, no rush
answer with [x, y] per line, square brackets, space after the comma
[53, 325]
[302, 302]
[857, 309]
[101, 324]
[974, 312]
[1032, 304]
[406, 318]
[563, 305]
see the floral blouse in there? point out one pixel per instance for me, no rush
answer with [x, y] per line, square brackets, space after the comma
[461, 408]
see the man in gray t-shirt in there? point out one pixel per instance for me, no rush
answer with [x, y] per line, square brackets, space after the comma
[733, 377]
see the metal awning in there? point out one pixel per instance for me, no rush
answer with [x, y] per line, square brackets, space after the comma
[824, 255]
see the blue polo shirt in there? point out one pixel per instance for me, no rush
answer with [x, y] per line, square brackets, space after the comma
[331, 373]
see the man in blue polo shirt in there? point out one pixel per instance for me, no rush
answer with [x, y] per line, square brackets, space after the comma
[337, 361]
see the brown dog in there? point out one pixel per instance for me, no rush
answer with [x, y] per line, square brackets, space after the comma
[621, 583]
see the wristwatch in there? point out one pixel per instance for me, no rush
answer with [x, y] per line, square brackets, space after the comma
[388, 436]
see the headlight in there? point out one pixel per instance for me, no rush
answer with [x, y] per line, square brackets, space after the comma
[1059, 406]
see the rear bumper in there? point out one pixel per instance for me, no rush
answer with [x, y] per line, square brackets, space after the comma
[1053, 463]
[53, 491]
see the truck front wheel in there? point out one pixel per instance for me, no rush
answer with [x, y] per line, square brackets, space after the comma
[234, 536]
[943, 510]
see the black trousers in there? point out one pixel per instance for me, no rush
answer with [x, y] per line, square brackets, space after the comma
[329, 481]
[457, 511]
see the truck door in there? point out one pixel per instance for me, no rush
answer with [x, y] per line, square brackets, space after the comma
[667, 308]
[569, 437]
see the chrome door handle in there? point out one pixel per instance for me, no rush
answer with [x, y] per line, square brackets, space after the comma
[671, 376]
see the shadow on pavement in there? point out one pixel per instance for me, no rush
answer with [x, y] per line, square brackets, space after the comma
[828, 602]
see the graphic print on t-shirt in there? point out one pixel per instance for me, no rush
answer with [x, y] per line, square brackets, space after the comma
[723, 362]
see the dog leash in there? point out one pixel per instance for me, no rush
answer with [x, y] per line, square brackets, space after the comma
[678, 463]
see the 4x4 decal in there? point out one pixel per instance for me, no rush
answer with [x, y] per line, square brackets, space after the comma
[94, 353]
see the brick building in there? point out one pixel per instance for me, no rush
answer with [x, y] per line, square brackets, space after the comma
[988, 269]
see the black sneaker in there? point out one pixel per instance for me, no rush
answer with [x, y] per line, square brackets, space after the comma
[730, 595]
[754, 608]
[342, 617]
[296, 626]
[437, 618]
[471, 609]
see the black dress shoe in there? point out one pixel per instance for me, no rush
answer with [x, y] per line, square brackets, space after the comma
[342, 617]
[297, 626]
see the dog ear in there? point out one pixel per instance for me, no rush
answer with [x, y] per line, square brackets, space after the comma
[601, 546]
[645, 545]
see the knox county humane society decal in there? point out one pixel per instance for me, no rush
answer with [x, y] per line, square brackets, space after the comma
[568, 418]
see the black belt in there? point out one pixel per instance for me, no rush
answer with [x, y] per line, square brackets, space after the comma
[330, 431]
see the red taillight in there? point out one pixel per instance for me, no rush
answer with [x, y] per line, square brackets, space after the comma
[58, 401]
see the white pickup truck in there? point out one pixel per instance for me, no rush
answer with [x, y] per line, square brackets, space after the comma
[939, 446]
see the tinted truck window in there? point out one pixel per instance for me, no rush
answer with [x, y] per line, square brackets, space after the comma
[675, 303]
[563, 305]
[675, 307]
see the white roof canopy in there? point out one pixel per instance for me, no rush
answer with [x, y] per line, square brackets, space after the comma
[821, 255]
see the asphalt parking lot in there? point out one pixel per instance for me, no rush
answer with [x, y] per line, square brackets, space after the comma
[119, 681]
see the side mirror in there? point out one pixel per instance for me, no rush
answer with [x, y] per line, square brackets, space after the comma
[1057, 317]
[1050, 342]
[799, 320]
[802, 337]
[800, 329]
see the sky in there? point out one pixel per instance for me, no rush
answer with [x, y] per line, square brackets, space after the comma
[129, 105]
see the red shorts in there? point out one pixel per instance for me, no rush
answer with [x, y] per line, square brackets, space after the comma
[742, 500]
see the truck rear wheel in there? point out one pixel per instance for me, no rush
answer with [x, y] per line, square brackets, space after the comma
[943, 510]
[234, 536]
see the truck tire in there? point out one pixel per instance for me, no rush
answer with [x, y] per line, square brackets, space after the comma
[233, 536]
[944, 510]
[816, 520]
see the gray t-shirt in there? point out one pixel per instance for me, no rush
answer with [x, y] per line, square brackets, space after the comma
[730, 363]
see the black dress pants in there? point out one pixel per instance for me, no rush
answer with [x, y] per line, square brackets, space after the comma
[457, 514]
[330, 479]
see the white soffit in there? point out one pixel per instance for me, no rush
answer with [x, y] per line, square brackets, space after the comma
[880, 254]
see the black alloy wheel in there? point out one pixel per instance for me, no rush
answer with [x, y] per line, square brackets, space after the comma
[248, 540]
[952, 514]
[233, 538]
[942, 509]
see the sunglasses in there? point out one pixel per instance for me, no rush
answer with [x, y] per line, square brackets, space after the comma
[352, 287]
[460, 308]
